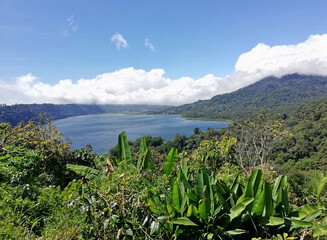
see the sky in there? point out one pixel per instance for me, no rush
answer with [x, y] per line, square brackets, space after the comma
[151, 51]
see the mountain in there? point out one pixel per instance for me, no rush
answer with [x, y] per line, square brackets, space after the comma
[278, 95]
[25, 112]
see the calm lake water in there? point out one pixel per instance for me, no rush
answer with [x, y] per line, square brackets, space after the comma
[102, 130]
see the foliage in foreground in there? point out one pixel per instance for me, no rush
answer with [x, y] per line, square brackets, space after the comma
[209, 208]
[203, 207]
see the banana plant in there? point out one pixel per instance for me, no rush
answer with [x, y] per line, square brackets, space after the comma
[124, 154]
[170, 162]
[93, 174]
[207, 206]
[144, 160]
[124, 151]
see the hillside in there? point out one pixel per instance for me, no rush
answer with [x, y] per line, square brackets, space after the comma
[25, 112]
[279, 95]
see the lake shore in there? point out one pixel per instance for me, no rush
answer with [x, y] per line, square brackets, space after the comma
[101, 130]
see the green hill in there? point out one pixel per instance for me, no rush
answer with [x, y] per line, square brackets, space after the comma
[279, 95]
[25, 112]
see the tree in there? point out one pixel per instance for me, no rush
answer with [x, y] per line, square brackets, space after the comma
[256, 137]
[42, 137]
[35, 135]
[196, 130]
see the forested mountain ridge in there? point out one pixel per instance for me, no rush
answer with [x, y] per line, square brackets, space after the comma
[25, 112]
[279, 95]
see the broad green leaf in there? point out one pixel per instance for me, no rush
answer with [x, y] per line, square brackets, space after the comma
[321, 186]
[171, 210]
[192, 197]
[144, 160]
[200, 184]
[176, 196]
[217, 210]
[247, 193]
[312, 216]
[194, 210]
[259, 203]
[275, 221]
[99, 165]
[239, 208]
[184, 167]
[268, 209]
[184, 179]
[305, 210]
[87, 172]
[143, 149]
[257, 187]
[279, 199]
[285, 201]
[298, 223]
[202, 209]
[236, 232]
[253, 182]
[183, 221]
[147, 162]
[182, 198]
[221, 198]
[236, 184]
[280, 182]
[124, 152]
[208, 192]
[170, 162]
[189, 210]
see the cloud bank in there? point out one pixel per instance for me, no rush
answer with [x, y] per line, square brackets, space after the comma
[136, 86]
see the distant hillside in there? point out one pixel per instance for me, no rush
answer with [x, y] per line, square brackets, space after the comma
[25, 112]
[279, 95]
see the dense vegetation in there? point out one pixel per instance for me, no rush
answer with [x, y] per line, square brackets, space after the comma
[26, 112]
[279, 95]
[261, 177]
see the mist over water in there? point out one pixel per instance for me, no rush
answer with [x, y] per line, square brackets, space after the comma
[102, 130]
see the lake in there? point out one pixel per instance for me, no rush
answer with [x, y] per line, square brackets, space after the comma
[102, 130]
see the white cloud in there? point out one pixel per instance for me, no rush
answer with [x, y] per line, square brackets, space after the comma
[71, 26]
[137, 86]
[149, 45]
[308, 57]
[119, 40]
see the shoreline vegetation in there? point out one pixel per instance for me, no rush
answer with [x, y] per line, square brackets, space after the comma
[205, 119]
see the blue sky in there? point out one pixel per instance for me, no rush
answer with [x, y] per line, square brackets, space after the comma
[55, 40]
